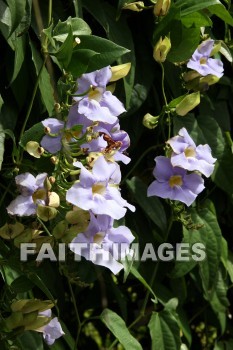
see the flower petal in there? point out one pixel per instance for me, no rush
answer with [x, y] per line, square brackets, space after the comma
[22, 206]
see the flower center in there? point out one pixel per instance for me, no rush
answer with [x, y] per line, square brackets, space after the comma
[99, 188]
[98, 238]
[175, 180]
[69, 134]
[39, 195]
[95, 94]
[203, 60]
[190, 152]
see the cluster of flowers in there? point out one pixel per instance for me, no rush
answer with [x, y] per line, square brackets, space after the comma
[179, 177]
[96, 190]
[92, 125]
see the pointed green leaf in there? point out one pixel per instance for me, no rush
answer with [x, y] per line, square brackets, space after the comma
[17, 10]
[118, 327]
[164, 331]
[44, 80]
[78, 26]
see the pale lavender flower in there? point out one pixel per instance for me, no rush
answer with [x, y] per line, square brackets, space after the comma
[98, 104]
[53, 143]
[99, 190]
[203, 63]
[75, 118]
[52, 330]
[105, 244]
[174, 182]
[188, 156]
[112, 142]
[33, 193]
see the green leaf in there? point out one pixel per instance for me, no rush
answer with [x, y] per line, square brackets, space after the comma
[143, 281]
[44, 80]
[151, 205]
[31, 340]
[64, 53]
[78, 26]
[17, 10]
[106, 51]
[166, 25]
[35, 133]
[219, 301]
[214, 6]
[164, 331]
[5, 16]
[230, 265]
[189, 6]
[206, 231]
[221, 12]
[223, 170]
[184, 41]
[22, 284]
[118, 327]
[196, 19]
[80, 61]
[20, 45]
[33, 277]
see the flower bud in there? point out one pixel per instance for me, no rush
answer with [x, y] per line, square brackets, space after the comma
[46, 213]
[54, 160]
[120, 71]
[54, 200]
[161, 7]
[136, 6]
[161, 49]
[149, 121]
[34, 149]
[10, 231]
[30, 305]
[190, 75]
[188, 103]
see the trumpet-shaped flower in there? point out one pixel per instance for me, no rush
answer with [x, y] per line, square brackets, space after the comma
[33, 192]
[203, 63]
[111, 141]
[95, 102]
[188, 156]
[174, 182]
[52, 330]
[103, 242]
[97, 190]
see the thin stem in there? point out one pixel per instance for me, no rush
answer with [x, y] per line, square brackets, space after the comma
[44, 227]
[139, 161]
[50, 12]
[76, 313]
[165, 100]
[44, 43]
[31, 104]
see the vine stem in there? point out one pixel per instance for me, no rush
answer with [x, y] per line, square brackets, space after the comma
[32, 100]
[76, 313]
[165, 100]
[44, 227]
